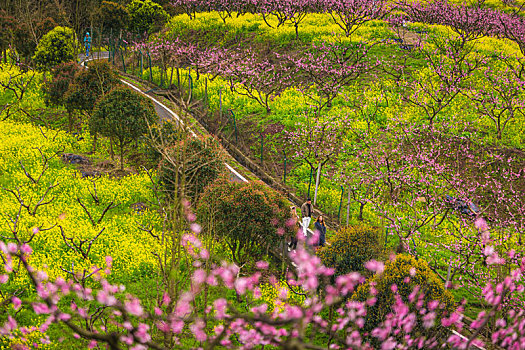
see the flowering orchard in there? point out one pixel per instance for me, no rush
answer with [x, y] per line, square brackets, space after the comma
[409, 114]
[72, 222]
[424, 69]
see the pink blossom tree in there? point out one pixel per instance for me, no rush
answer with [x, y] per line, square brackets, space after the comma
[349, 15]
[469, 23]
[286, 11]
[131, 323]
[434, 89]
[510, 26]
[499, 96]
[324, 70]
[248, 74]
[316, 142]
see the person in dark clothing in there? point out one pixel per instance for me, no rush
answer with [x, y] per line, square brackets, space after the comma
[293, 241]
[321, 228]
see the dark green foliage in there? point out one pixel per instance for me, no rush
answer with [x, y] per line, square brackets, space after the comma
[57, 46]
[56, 89]
[90, 85]
[245, 217]
[398, 272]
[112, 16]
[199, 159]
[351, 248]
[26, 38]
[146, 16]
[63, 76]
[8, 25]
[23, 43]
[124, 116]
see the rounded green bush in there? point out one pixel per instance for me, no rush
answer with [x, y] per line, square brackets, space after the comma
[145, 15]
[406, 273]
[58, 46]
[248, 219]
[351, 248]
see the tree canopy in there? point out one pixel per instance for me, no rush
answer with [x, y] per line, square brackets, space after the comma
[124, 116]
[57, 46]
[248, 217]
[112, 16]
[145, 15]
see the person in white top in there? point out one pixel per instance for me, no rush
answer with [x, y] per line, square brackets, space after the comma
[307, 209]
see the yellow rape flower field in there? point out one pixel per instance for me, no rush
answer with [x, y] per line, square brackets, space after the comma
[27, 146]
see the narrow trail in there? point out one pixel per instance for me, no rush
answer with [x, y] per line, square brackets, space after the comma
[166, 113]
[162, 110]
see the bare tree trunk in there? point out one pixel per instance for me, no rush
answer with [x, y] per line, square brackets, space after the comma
[348, 208]
[121, 156]
[448, 273]
[111, 148]
[317, 182]
[94, 142]
[171, 76]
[361, 207]
[69, 121]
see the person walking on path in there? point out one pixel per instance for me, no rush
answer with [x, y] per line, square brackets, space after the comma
[307, 210]
[87, 43]
[321, 228]
[293, 241]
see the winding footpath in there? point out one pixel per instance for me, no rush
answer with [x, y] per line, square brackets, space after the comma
[166, 113]
[162, 110]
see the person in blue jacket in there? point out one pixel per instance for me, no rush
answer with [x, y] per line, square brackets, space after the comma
[87, 43]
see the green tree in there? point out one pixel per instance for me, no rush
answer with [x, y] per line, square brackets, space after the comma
[247, 217]
[351, 248]
[26, 36]
[55, 90]
[89, 86]
[57, 46]
[199, 159]
[8, 25]
[112, 16]
[122, 115]
[146, 16]
[406, 273]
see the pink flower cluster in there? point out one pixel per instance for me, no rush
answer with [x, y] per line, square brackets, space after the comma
[130, 322]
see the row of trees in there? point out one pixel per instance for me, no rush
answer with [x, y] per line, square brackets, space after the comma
[349, 15]
[470, 21]
[407, 175]
[96, 96]
[491, 86]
